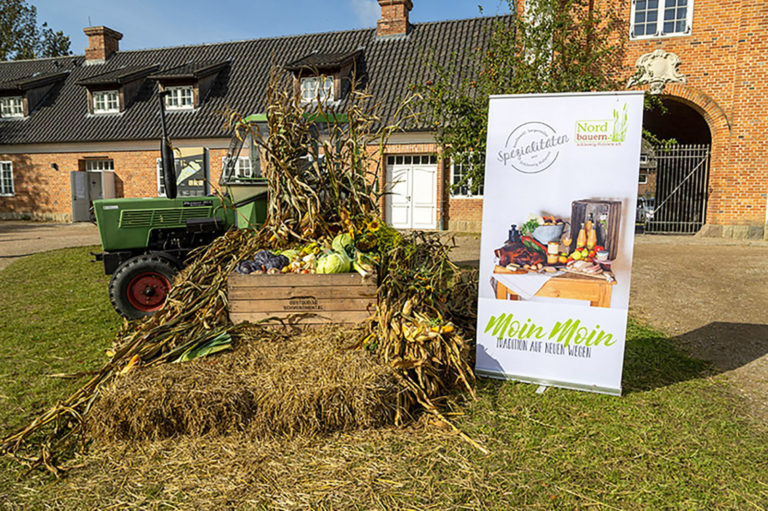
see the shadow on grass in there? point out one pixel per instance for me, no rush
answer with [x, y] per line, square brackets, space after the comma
[652, 361]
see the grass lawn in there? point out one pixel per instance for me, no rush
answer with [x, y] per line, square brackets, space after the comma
[677, 439]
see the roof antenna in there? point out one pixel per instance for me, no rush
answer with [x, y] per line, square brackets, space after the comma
[89, 21]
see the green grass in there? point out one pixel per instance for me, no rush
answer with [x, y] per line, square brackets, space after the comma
[679, 438]
[56, 319]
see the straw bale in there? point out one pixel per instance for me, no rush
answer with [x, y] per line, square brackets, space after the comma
[269, 385]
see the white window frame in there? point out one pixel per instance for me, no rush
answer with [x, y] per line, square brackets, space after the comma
[310, 88]
[99, 165]
[6, 176]
[242, 166]
[660, 22]
[642, 179]
[176, 99]
[469, 194]
[11, 106]
[106, 102]
[160, 181]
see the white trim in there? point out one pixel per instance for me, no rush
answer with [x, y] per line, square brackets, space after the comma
[106, 95]
[12, 193]
[659, 34]
[160, 185]
[12, 104]
[460, 196]
[108, 163]
[640, 179]
[238, 170]
[329, 92]
[174, 93]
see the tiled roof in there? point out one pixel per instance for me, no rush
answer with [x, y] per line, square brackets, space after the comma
[391, 66]
[30, 82]
[191, 70]
[320, 61]
[119, 76]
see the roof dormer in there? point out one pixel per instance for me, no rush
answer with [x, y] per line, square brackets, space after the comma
[21, 96]
[324, 76]
[188, 85]
[114, 91]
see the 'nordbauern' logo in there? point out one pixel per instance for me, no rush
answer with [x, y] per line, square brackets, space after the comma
[532, 147]
[605, 131]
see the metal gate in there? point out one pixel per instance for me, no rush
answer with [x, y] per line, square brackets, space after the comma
[680, 198]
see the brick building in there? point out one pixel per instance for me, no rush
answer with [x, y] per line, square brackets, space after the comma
[88, 126]
[97, 114]
[707, 61]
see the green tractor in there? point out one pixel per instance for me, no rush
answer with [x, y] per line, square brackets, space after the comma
[146, 241]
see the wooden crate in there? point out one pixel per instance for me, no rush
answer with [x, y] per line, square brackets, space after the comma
[607, 234]
[345, 298]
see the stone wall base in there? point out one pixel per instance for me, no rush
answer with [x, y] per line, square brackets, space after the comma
[464, 225]
[61, 218]
[737, 232]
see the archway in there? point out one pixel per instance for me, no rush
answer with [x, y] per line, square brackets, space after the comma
[674, 193]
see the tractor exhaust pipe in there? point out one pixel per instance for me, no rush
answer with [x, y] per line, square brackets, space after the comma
[166, 154]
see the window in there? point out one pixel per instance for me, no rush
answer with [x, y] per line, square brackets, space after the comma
[643, 179]
[179, 98]
[160, 179]
[6, 179]
[659, 18]
[99, 165]
[458, 171]
[105, 102]
[313, 87]
[11, 106]
[242, 167]
[191, 177]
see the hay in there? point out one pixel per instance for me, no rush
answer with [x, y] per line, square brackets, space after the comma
[270, 385]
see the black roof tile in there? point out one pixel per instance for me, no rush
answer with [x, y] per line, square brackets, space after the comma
[391, 66]
[119, 76]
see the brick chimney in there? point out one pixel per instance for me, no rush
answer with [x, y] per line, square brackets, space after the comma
[394, 18]
[102, 42]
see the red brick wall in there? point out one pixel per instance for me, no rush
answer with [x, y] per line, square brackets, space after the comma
[44, 193]
[727, 82]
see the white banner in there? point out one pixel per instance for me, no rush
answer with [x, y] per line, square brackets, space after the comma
[561, 183]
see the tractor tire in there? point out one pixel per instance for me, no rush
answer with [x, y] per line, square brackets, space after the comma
[140, 285]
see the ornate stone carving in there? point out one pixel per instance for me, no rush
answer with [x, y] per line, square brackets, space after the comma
[657, 69]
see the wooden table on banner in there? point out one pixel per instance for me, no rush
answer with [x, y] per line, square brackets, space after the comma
[568, 285]
[345, 298]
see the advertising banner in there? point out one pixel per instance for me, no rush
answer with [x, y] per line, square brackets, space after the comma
[561, 183]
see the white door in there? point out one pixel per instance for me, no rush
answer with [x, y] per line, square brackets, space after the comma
[412, 185]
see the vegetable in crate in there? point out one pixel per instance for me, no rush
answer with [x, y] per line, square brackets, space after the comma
[334, 262]
[263, 261]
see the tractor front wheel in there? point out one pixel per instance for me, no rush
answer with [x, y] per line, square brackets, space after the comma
[140, 285]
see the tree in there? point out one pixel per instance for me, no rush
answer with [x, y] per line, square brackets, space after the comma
[554, 46]
[21, 38]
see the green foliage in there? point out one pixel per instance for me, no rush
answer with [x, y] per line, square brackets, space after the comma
[556, 46]
[21, 38]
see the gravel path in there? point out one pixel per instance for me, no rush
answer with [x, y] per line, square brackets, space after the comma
[711, 295]
[18, 239]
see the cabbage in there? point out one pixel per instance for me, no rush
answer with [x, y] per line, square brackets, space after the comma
[342, 243]
[334, 262]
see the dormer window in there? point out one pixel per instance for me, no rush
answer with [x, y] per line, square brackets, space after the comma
[106, 102]
[325, 76]
[12, 106]
[114, 91]
[187, 86]
[179, 98]
[317, 87]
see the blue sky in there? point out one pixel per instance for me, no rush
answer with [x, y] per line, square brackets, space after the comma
[158, 23]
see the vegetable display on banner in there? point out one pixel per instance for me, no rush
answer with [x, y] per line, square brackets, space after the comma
[557, 237]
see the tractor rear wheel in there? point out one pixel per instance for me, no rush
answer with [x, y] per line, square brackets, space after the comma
[140, 285]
